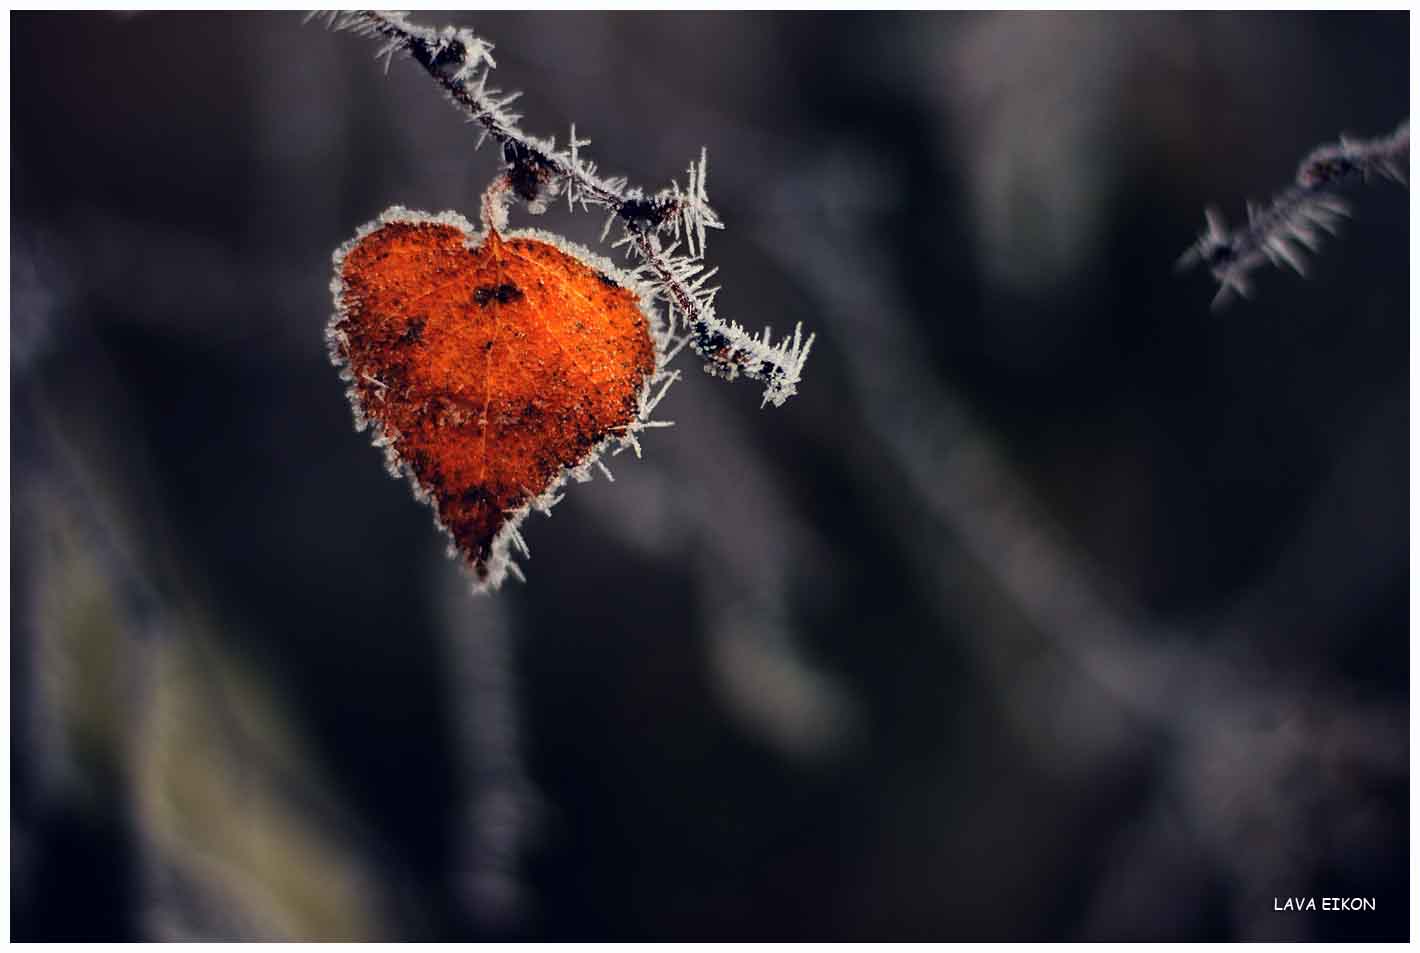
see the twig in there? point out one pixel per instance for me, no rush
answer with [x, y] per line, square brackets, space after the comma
[1281, 233]
[538, 171]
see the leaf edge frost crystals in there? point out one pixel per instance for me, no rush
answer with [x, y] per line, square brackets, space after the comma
[508, 542]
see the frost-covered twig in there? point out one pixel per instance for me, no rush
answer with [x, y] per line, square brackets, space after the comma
[539, 172]
[1282, 232]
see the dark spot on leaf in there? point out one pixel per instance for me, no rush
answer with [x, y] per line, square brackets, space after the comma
[503, 294]
[414, 331]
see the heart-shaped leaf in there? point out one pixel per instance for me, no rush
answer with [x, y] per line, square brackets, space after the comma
[491, 366]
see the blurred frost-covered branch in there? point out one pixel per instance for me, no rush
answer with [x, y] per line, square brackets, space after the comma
[1282, 232]
[666, 231]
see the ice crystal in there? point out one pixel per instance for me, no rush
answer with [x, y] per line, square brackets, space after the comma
[666, 231]
[417, 415]
[1282, 232]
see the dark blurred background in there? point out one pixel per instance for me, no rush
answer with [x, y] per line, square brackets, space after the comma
[1054, 607]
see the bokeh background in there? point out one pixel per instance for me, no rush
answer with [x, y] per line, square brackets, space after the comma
[1054, 607]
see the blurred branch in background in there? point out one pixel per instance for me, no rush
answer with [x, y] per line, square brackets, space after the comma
[1050, 611]
[501, 811]
[227, 828]
[1238, 735]
[743, 560]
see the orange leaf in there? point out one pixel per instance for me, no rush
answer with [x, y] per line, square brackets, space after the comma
[491, 366]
